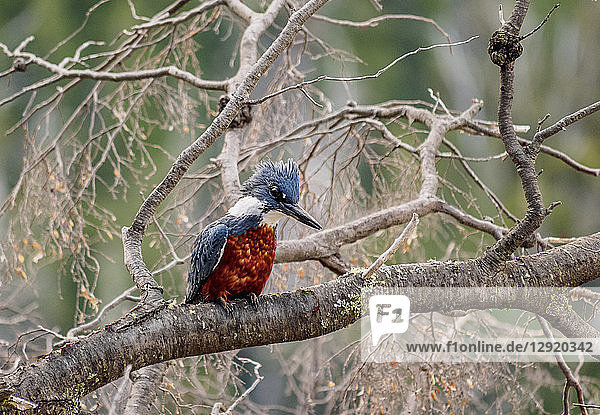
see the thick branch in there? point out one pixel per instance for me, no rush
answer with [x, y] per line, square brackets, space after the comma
[183, 330]
[328, 242]
[228, 164]
[506, 37]
[143, 389]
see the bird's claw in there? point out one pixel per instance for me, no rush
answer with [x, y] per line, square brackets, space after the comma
[253, 298]
[224, 304]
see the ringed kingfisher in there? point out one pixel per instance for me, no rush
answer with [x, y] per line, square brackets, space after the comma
[233, 256]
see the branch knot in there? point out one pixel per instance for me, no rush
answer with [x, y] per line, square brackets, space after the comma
[242, 119]
[19, 64]
[505, 46]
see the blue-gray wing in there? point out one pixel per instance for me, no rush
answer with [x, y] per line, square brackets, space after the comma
[206, 254]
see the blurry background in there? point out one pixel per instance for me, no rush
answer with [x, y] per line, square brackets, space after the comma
[558, 73]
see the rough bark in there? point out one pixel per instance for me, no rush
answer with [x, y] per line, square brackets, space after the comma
[175, 331]
[144, 389]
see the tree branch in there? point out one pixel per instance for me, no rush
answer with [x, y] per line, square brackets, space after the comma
[374, 21]
[63, 73]
[361, 77]
[145, 382]
[162, 20]
[322, 244]
[571, 380]
[561, 125]
[504, 49]
[477, 128]
[179, 331]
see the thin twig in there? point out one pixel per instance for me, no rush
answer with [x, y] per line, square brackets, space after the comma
[177, 261]
[78, 30]
[587, 405]
[164, 235]
[178, 19]
[374, 22]
[124, 296]
[54, 333]
[438, 100]
[134, 13]
[117, 76]
[475, 159]
[542, 121]
[571, 381]
[477, 127]
[489, 193]
[24, 43]
[563, 123]
[244, 395]
[541, 24]
[402, 239]
[358, 78]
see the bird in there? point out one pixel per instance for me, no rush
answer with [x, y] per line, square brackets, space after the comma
[233, 256]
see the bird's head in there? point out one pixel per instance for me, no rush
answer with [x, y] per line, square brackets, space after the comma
[276, 187]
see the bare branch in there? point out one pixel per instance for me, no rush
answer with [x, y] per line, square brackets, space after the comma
[115, 76]
[471, 221]
[241, 10]
[328, 242]
[490, 194]
[257, 379]
[429, 149]
[571, 381]
[124, 296]
[538, 27]
[358, 78]
[407, 234]
[228, 164]
[364, 169]
[477, 127]
[184, 330]
[561, 125]
[374, 21]
[161, 20]
[134, 13]
[78, 30]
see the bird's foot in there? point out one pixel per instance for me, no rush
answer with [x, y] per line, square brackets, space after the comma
[224, 304]
[253, 298]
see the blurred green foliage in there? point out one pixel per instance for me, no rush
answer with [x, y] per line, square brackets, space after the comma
[558, 74]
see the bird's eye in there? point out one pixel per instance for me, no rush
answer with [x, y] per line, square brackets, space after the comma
[276, 193]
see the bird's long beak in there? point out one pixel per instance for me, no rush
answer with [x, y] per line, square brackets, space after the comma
[301, 215]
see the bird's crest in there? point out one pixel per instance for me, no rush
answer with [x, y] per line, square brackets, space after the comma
[283, 175]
